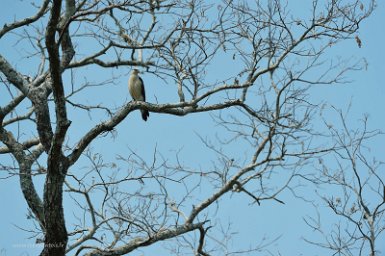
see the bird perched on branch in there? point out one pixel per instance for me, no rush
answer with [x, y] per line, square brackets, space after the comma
[136, 88]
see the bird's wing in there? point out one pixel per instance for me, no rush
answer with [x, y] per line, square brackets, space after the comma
[142, 88]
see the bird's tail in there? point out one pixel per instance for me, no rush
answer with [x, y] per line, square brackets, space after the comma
[145, 114]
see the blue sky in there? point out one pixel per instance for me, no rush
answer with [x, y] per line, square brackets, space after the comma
[366, 94]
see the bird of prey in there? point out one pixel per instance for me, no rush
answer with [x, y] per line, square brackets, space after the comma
[136, 89]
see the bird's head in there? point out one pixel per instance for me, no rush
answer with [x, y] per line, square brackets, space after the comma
[135, 71]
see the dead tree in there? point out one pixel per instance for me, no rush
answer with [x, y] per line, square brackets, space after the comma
[262, 102]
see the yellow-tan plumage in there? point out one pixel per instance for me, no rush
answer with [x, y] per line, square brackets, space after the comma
[136, 89]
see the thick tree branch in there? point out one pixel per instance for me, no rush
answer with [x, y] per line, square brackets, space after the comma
[8, 27]
[179, 109]
[56, 80]
[146, 241]
[13, 76]
[25, 145]
[26, 183]
[11, 106]
[56, 236]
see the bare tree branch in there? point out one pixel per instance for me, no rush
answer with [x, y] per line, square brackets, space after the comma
[272, 57]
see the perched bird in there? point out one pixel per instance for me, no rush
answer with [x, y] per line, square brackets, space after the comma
[136, 88]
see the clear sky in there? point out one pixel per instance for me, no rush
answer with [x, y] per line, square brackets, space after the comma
[366, 94]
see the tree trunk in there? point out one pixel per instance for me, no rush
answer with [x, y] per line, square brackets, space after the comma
[56, 233]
